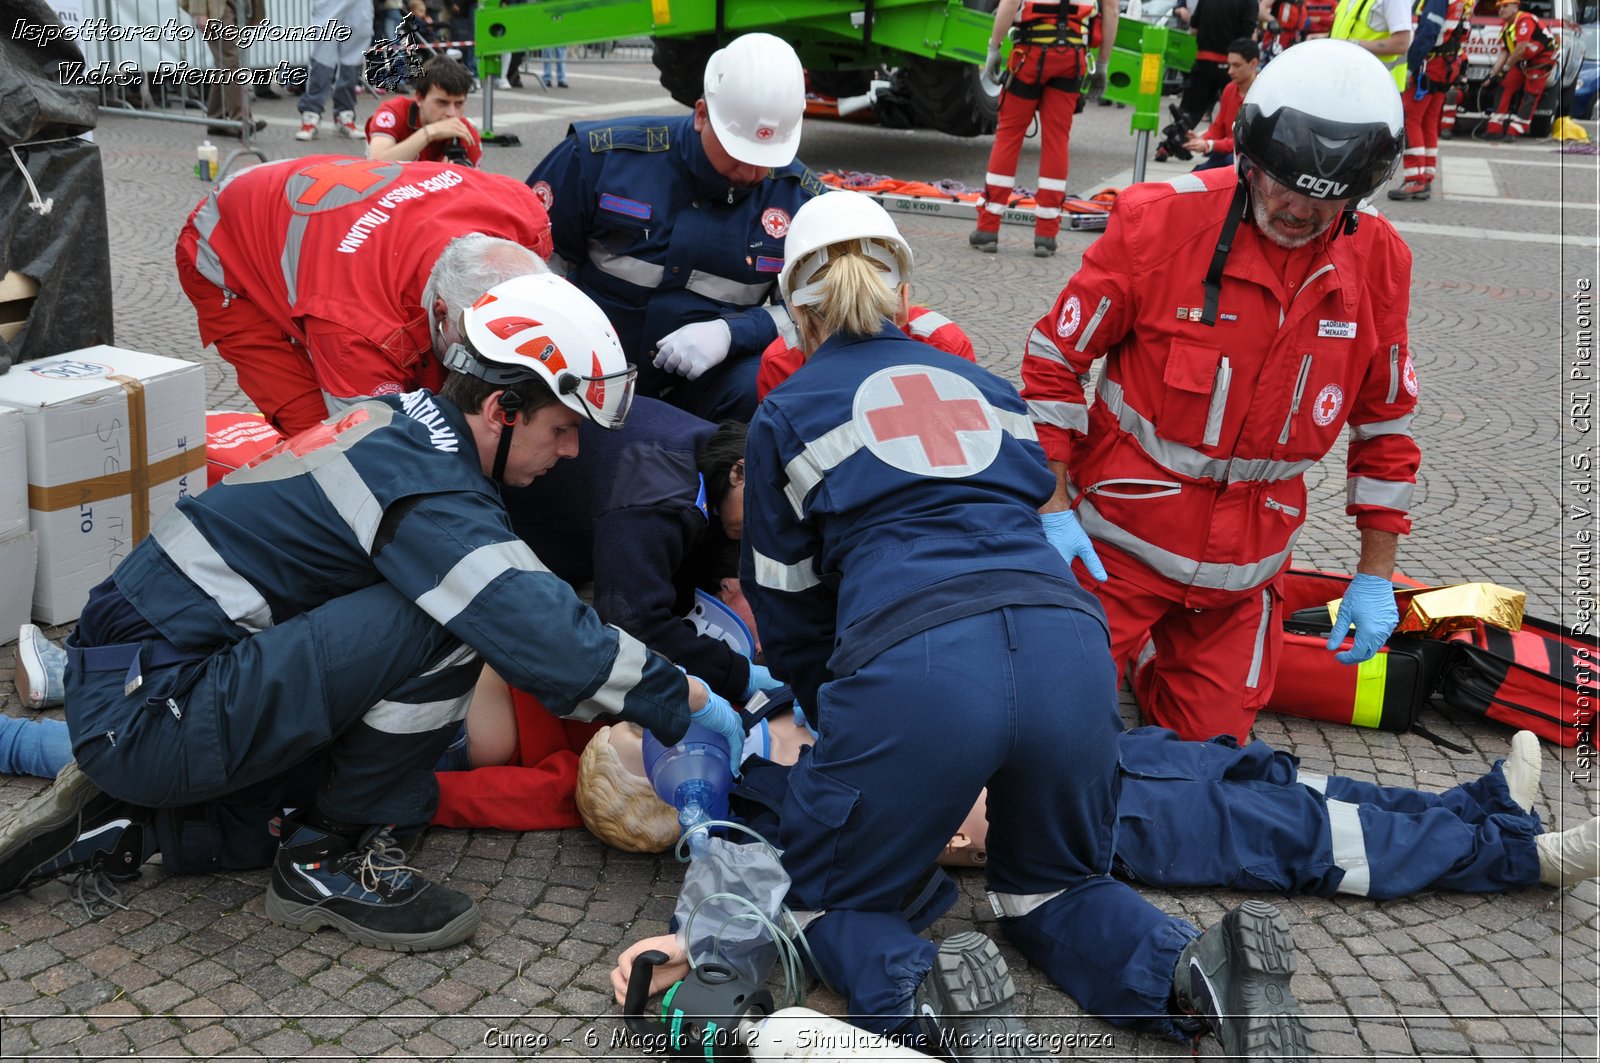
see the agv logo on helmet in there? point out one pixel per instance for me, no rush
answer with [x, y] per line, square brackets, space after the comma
[1320, 187]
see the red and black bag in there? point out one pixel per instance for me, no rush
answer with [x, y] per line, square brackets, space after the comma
[1542, 678]
[1385, 692]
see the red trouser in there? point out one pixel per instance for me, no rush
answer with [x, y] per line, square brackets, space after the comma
[1531, 83]
[1422, 133]
[533, 793]
[1214, 668]
[1044, 81]
[273, 369]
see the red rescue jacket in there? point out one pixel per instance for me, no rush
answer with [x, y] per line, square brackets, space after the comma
[1191, 459]
[779, 360]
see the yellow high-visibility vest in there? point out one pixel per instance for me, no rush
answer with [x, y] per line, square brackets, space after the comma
[1351, 22]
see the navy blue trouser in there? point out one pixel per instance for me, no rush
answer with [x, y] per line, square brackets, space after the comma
[1022, 700]
[1214, 814]
[366, 691]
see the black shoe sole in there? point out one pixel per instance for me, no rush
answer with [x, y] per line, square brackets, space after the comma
[312, 916]
[1261, 1019]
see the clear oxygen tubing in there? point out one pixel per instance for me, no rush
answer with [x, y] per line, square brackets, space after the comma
[789, 938]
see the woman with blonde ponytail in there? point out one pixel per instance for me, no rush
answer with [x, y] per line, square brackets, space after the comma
[899, 573]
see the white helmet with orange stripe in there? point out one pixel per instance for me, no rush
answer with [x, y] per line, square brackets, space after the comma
[540, 326]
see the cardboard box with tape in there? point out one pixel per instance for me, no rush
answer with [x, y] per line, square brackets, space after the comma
[114, 439]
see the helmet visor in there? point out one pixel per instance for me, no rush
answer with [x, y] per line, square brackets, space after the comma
[604, 398]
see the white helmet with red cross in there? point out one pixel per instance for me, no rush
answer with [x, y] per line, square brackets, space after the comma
[540, 326]
[755, 93]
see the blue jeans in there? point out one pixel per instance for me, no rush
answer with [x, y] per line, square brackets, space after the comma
[560, 56]
[33, 747]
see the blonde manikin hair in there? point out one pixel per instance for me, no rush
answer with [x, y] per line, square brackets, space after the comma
[855, 298]
[619, 807]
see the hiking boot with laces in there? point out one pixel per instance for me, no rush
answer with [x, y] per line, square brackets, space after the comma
[965, 1004]
[1044, 246]
[361, 886]
[70, 826]
[41, 670]
[1236, 977]
[984, 241]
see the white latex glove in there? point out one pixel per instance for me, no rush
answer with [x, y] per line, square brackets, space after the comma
[991, 64]
[694, 348]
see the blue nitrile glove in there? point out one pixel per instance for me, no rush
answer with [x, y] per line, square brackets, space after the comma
[1071, 541]
[720, 717]
[760, 679]
[1369, 607]
[800, 718]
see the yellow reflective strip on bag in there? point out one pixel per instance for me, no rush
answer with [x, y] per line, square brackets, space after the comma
[1371, 677]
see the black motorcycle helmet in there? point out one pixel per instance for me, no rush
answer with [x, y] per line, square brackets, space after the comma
[1324, 118]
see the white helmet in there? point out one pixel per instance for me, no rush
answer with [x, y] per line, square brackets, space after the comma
[540, 326]
[755, 93]
[832, 218]
[1323, 119]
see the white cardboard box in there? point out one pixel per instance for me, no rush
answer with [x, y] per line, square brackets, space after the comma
[18, 555]
[13, 476]
[114, 439]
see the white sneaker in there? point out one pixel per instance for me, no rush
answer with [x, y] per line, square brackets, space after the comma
[1570, 857]
[308, 126]
[41, 669]
[502, 83]
[1522, 769]
[344, 123]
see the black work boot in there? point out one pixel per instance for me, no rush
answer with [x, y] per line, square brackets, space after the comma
[70, 826]
[965, 1004]
[1044, 246]
[358, 884]
[987, 242]
[1236, 977]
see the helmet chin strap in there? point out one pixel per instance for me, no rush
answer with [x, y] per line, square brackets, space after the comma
[1237, 209]
[510, 403]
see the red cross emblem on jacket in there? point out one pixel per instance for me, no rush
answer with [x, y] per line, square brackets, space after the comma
[926, 421]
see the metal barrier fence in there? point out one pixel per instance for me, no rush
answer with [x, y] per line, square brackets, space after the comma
[142, 65]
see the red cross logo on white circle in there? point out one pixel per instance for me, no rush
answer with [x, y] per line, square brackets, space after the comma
[926, 421]
[766, 132]
[1071, 313]
[776, 221]
[1409, 376]
[541, 189]
[1327, 405]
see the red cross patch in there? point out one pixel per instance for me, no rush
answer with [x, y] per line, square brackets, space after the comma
[546, 195]
[1328, 403]
[1071, 314]
[926, 421]
[766, 132]
[1409, 376]
[776, 221]
[337, 183]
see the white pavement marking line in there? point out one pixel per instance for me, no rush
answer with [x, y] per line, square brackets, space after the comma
[1503, 201]
[1471, 177]
[1574, 164]
[1470, 233]
[578, 112]
[1121, 180]
[529, 89]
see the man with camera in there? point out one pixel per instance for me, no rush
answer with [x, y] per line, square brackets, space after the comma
[1216, 143]
[327, 279]
[432, 126]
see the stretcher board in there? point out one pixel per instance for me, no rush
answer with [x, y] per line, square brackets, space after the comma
[946, 208]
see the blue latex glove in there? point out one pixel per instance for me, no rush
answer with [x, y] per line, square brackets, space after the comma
[1369, 607]
[760, 679]
[800, 718]
[1071, 541]
[720, 717]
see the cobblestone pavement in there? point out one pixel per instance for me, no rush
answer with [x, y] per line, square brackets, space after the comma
[192, 967]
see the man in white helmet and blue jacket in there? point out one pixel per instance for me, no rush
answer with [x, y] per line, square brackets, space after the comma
[675, 225]
[307, 634]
